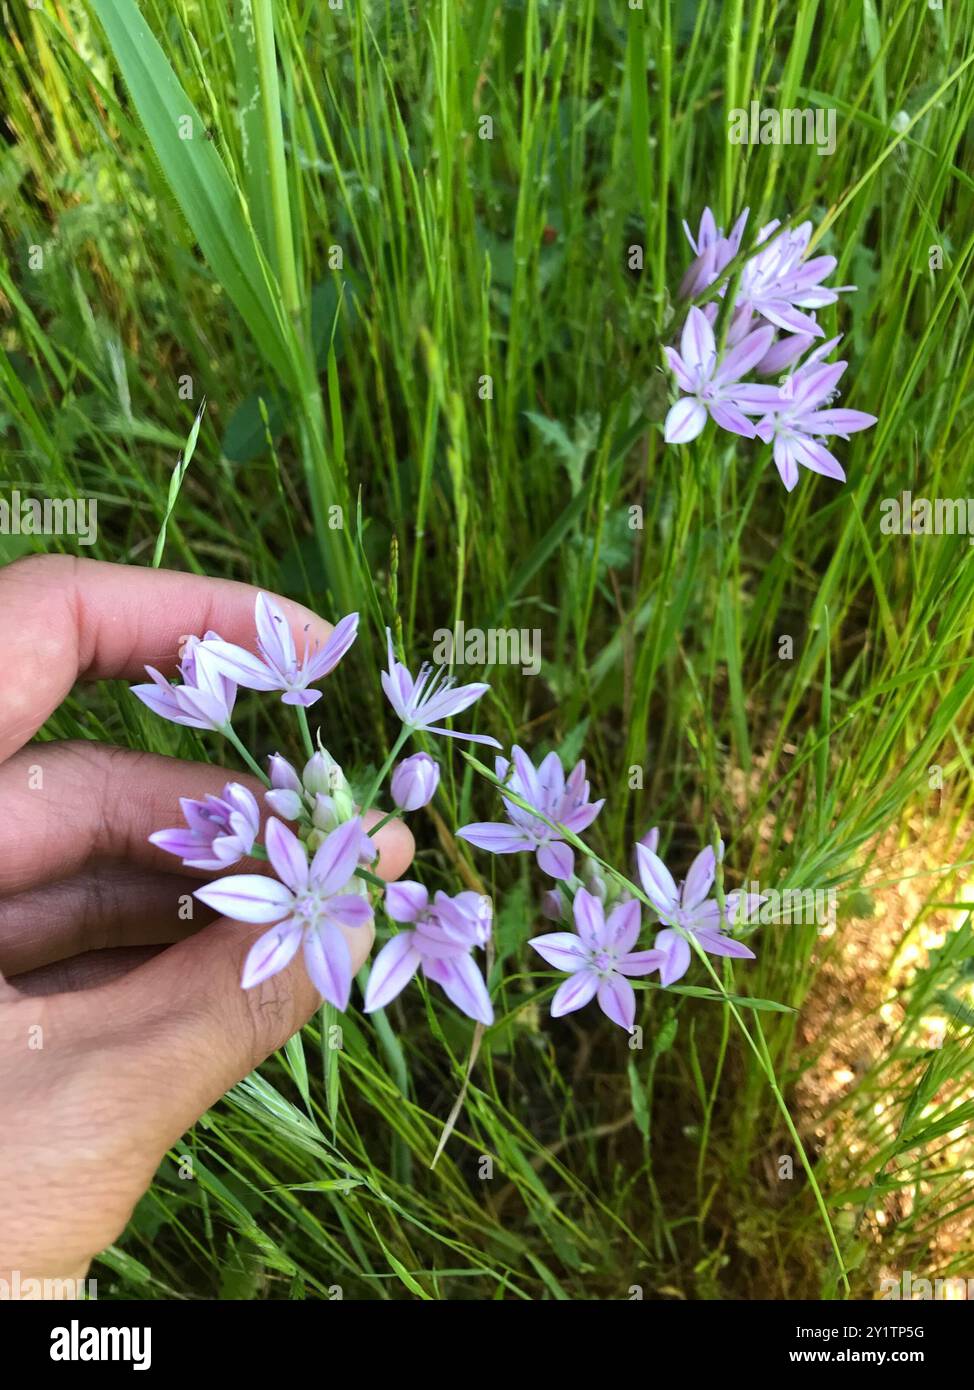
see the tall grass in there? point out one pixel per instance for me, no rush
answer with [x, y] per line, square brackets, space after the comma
[394, 254]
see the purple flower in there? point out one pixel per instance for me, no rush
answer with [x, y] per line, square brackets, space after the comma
[598, 959]
[308, 903]
[546, 789]
[220, 830]
[795, 419]
[778, 278]
[713, 253]
[712, 385]
[442, 937]
[414, 782]
[687, 911]
[205, 699]
[277, 667]
[420, 702]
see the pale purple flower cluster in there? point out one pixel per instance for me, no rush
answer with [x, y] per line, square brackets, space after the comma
[206, 697]
[560, 799]
[308, 902]
[599, 956]
[777, 285]
[687, 912]
[219, 831]
[277, 667]
[441, 936]
[319, 886]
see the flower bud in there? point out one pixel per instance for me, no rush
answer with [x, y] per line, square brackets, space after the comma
[551, 905]
[323, 775]
[284, 802]
[414, 782]
[282, 774]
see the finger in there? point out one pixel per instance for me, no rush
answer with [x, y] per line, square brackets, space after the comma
[185, 1025]
[91, 970]
[61, 618]
[106, 906]
[66, 804]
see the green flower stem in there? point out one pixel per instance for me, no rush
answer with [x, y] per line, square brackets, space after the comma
[254, 766]
[380, 776]
[390, 815]
[309, 746]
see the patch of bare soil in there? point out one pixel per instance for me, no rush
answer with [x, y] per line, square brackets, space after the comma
[854, 1016]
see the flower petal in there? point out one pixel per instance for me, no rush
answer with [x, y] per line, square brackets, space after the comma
[719, 945]
[574, 993]
[676, 956]
[556, 859]
[640, 962]
[247, 898]
[814, 456]
[743, 357]
[322, 663]
[617, 1000]
[728, 417]
[496, 837]
[288, 856]
[562, 949]
[350, 910]
[785, 463]
[622, 926]
[697, 346]
[684, 421]
[274, 634]
[463, 985]
[270, 953]
[337, 857]
[405, 900]
[392, 969]
[329, 964]
[699, 878]
[242, 666]
[657, 881]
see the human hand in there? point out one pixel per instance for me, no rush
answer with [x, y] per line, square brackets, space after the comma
[120, 1023]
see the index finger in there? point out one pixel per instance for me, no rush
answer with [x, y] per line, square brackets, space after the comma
[62, 618]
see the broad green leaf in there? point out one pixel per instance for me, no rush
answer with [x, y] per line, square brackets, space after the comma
[211, 204]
